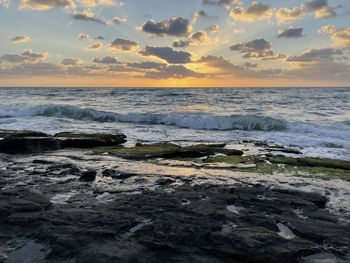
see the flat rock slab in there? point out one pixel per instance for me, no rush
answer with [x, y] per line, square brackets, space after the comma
[85, 140]
[169, 150]
[23, 142]
[191, 224]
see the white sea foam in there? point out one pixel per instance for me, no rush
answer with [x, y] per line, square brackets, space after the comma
[184, 120]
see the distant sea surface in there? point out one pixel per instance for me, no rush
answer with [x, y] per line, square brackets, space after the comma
[317, 120]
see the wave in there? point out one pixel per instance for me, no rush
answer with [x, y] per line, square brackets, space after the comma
[183, 120]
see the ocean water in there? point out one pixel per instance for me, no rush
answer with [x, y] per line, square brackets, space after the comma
[315, 120]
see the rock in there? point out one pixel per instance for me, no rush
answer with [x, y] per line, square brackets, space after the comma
[118, 175]
[27, 134]
[88, 176]
[21, 200]
[89, 140]
[30, 252]
[165, 181]
[284, 150]
[63, 169]
[38, 161]
[313, 162]
[19, 145]
[146, 151]
[322, 258]
[169, 150]
[316, 198]
[32, 142]
[156, 226]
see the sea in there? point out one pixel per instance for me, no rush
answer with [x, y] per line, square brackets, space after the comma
[315, 120]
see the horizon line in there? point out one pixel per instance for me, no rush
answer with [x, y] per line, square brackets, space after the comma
[171, 87]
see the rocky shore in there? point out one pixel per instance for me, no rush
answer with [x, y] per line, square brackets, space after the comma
[75, 197]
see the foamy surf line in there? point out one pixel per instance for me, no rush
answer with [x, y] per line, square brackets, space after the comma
[183, 120]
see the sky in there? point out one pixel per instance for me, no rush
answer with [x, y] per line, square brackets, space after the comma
[175, 43]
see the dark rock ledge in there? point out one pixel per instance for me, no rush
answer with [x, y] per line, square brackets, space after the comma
[17, 142]
[204, 223]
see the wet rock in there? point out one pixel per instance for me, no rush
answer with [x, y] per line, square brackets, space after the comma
[322, 258]
[62, 170]
[30, 252]
[87, 140]
[146, 151]
[37, 161]
[88, 176]
[316, 198]
[184, 227]
[21, 200]
[118, 175]
[284, 150]
[169, 150]
[165, 181]
[27, 134]
[14, 144]
[313, 162]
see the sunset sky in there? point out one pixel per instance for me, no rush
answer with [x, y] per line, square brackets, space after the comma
[175, 43]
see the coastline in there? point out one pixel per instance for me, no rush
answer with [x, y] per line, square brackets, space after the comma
[102, 202]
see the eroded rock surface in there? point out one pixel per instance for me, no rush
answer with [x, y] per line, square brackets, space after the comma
[88, 206]
[193, 223]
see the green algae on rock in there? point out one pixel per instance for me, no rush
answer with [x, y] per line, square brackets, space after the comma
[313, 162]
[169, 150]
[89, 140]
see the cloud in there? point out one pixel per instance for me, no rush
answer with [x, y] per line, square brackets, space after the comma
[220, 64]
[42, 5]
[37, 69]
[118, 20]
[317, 70]
[173, 72]
[339, 36]
[257, 48]
[326, 12]
[321, 70]
[291, 32]
[71, 61]
[26, 57]
[224, 68]
[195, 39]
[106, 60]
[256, 11]
[321, 8]
[285, 15]
[124, 45]
[83, 36]
[313, 55]
[213, 29]
[177, 26]
[20, 39]
[202, 15]
[250, 65]
[168, 54]
[94, 3]
[221, 3]
[147, 65]
[88, 16]
[95, 47]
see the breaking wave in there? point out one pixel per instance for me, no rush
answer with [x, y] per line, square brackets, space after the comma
[183, 120]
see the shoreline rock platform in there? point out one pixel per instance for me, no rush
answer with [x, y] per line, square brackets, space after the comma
[90, 199]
